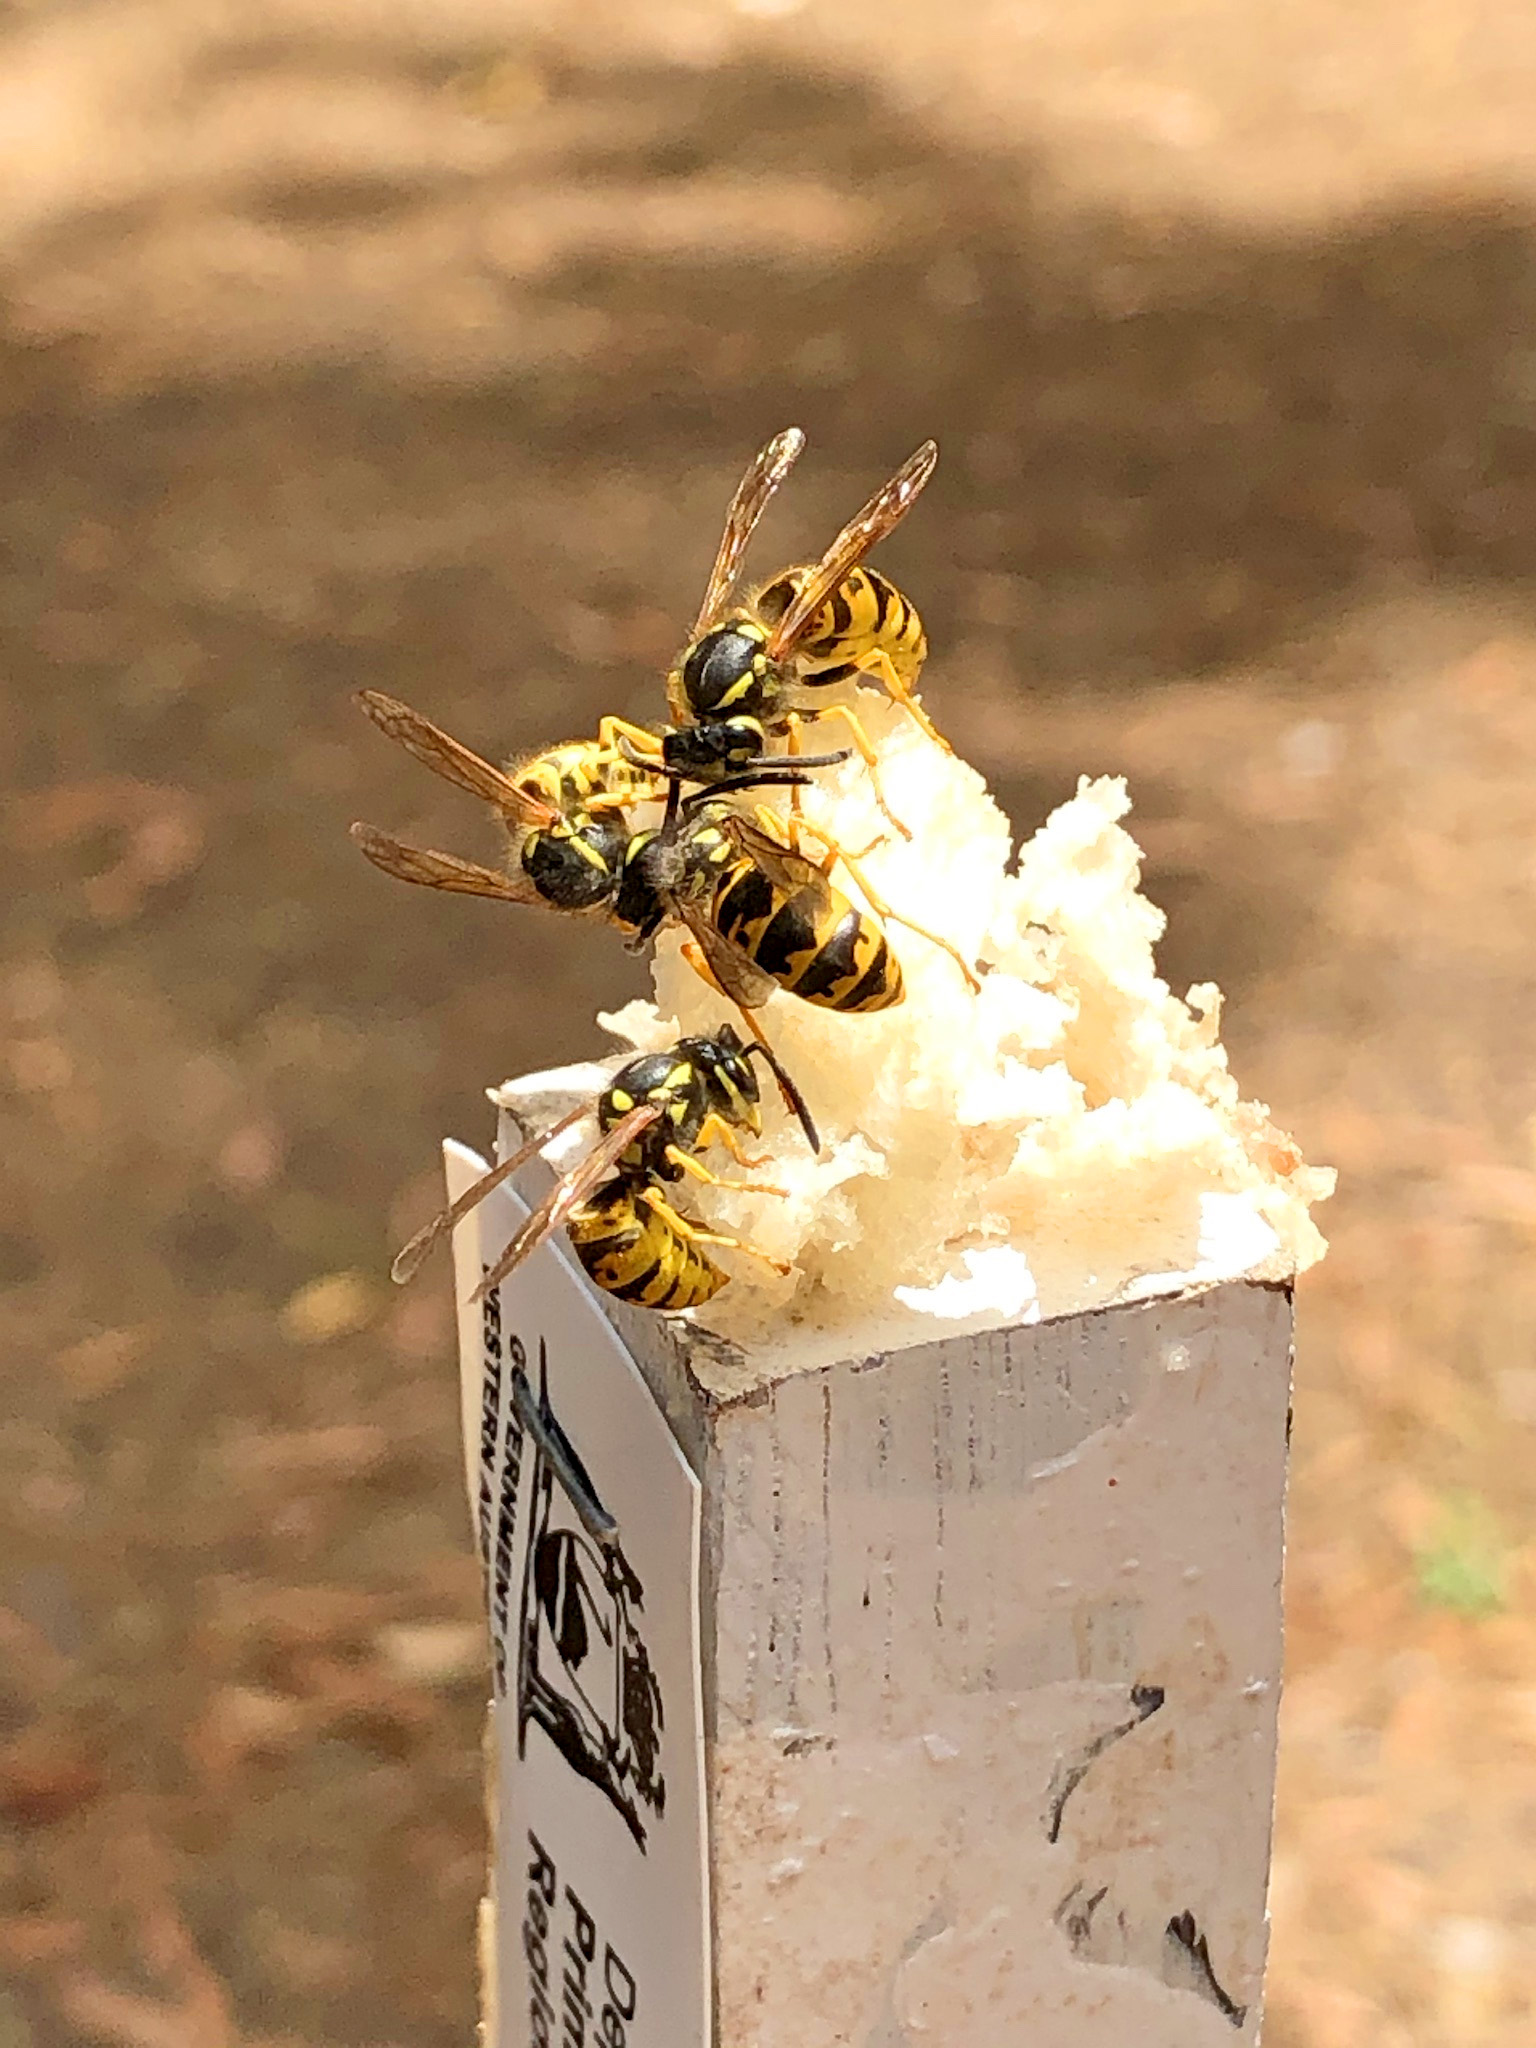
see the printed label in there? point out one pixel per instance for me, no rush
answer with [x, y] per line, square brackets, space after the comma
[587, 1517]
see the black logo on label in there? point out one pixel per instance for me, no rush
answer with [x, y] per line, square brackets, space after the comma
[583, 1671]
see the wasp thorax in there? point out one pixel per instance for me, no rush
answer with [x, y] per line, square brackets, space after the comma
[576, 867]
[723, 670]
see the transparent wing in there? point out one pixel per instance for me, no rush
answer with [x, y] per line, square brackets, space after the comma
[568, 1193]
[736, 972]
[767, 471]
[864, 531]
[784, 867]
[455, 763]
[435, 870]
[409, 1257]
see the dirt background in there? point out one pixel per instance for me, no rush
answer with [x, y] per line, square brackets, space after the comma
[369, 342]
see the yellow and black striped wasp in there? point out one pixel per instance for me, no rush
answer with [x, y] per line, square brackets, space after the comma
[656, 1115]
[747, 672]
[564, 810]
[760, 914]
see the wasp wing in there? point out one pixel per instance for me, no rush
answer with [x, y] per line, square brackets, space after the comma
[409, 1257]
[734, 971]
[435, 870]
[569, 1192]
[785, 868]
[445, 756]
[765, 473]
[864, 531]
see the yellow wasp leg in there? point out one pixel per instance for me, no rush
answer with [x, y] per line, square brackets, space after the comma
[694, 1235]
[876, 901]
[610, 800]
[865, 746]
[883, 909]
[773, 822]
[688, 1164]
[877, 663]
[792, 726]
[716, 1131]
[693, 953]
[611, 730]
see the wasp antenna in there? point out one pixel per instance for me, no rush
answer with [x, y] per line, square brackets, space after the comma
[757, 778]
[796, 1102]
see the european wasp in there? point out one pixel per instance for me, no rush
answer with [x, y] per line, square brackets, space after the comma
[656, 1115]
[746, 672]
[564, 810]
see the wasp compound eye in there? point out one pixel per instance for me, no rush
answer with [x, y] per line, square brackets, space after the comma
[744, 1074]
[717, 666]
[576, 869]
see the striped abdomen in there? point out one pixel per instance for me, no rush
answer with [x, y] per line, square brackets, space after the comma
[631, 1252]
[811, 940]
[866, 611]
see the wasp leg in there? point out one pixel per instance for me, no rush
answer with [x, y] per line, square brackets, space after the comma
[831, 849]
[792, 725]
[606, 800]
[686, 1162]
[866, 749]
[612, 731]
[618, 740]
[693, 953]
[716, 1131]
[877, 903]
[881, 908]
[878, 663]
[794, 831]
[664, 1209]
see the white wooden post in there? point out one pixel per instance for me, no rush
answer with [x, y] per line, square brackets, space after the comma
[991, 1640]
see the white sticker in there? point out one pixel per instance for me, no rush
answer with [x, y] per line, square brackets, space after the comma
[588, 1521]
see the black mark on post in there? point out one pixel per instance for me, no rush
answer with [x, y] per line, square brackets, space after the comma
[1067, 1776]
[826, 1542]
[1074, 1916]
[561, 1456]
[802, 1745]
[1187, 1967]
[584, 1674]
[942, 1433]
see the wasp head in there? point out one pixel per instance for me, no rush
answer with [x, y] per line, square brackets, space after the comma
[575, 865]
[730, 1080]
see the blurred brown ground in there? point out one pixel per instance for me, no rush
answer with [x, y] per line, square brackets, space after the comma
[374, 343]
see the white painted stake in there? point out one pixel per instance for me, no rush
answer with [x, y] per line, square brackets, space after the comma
[991, 1641]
